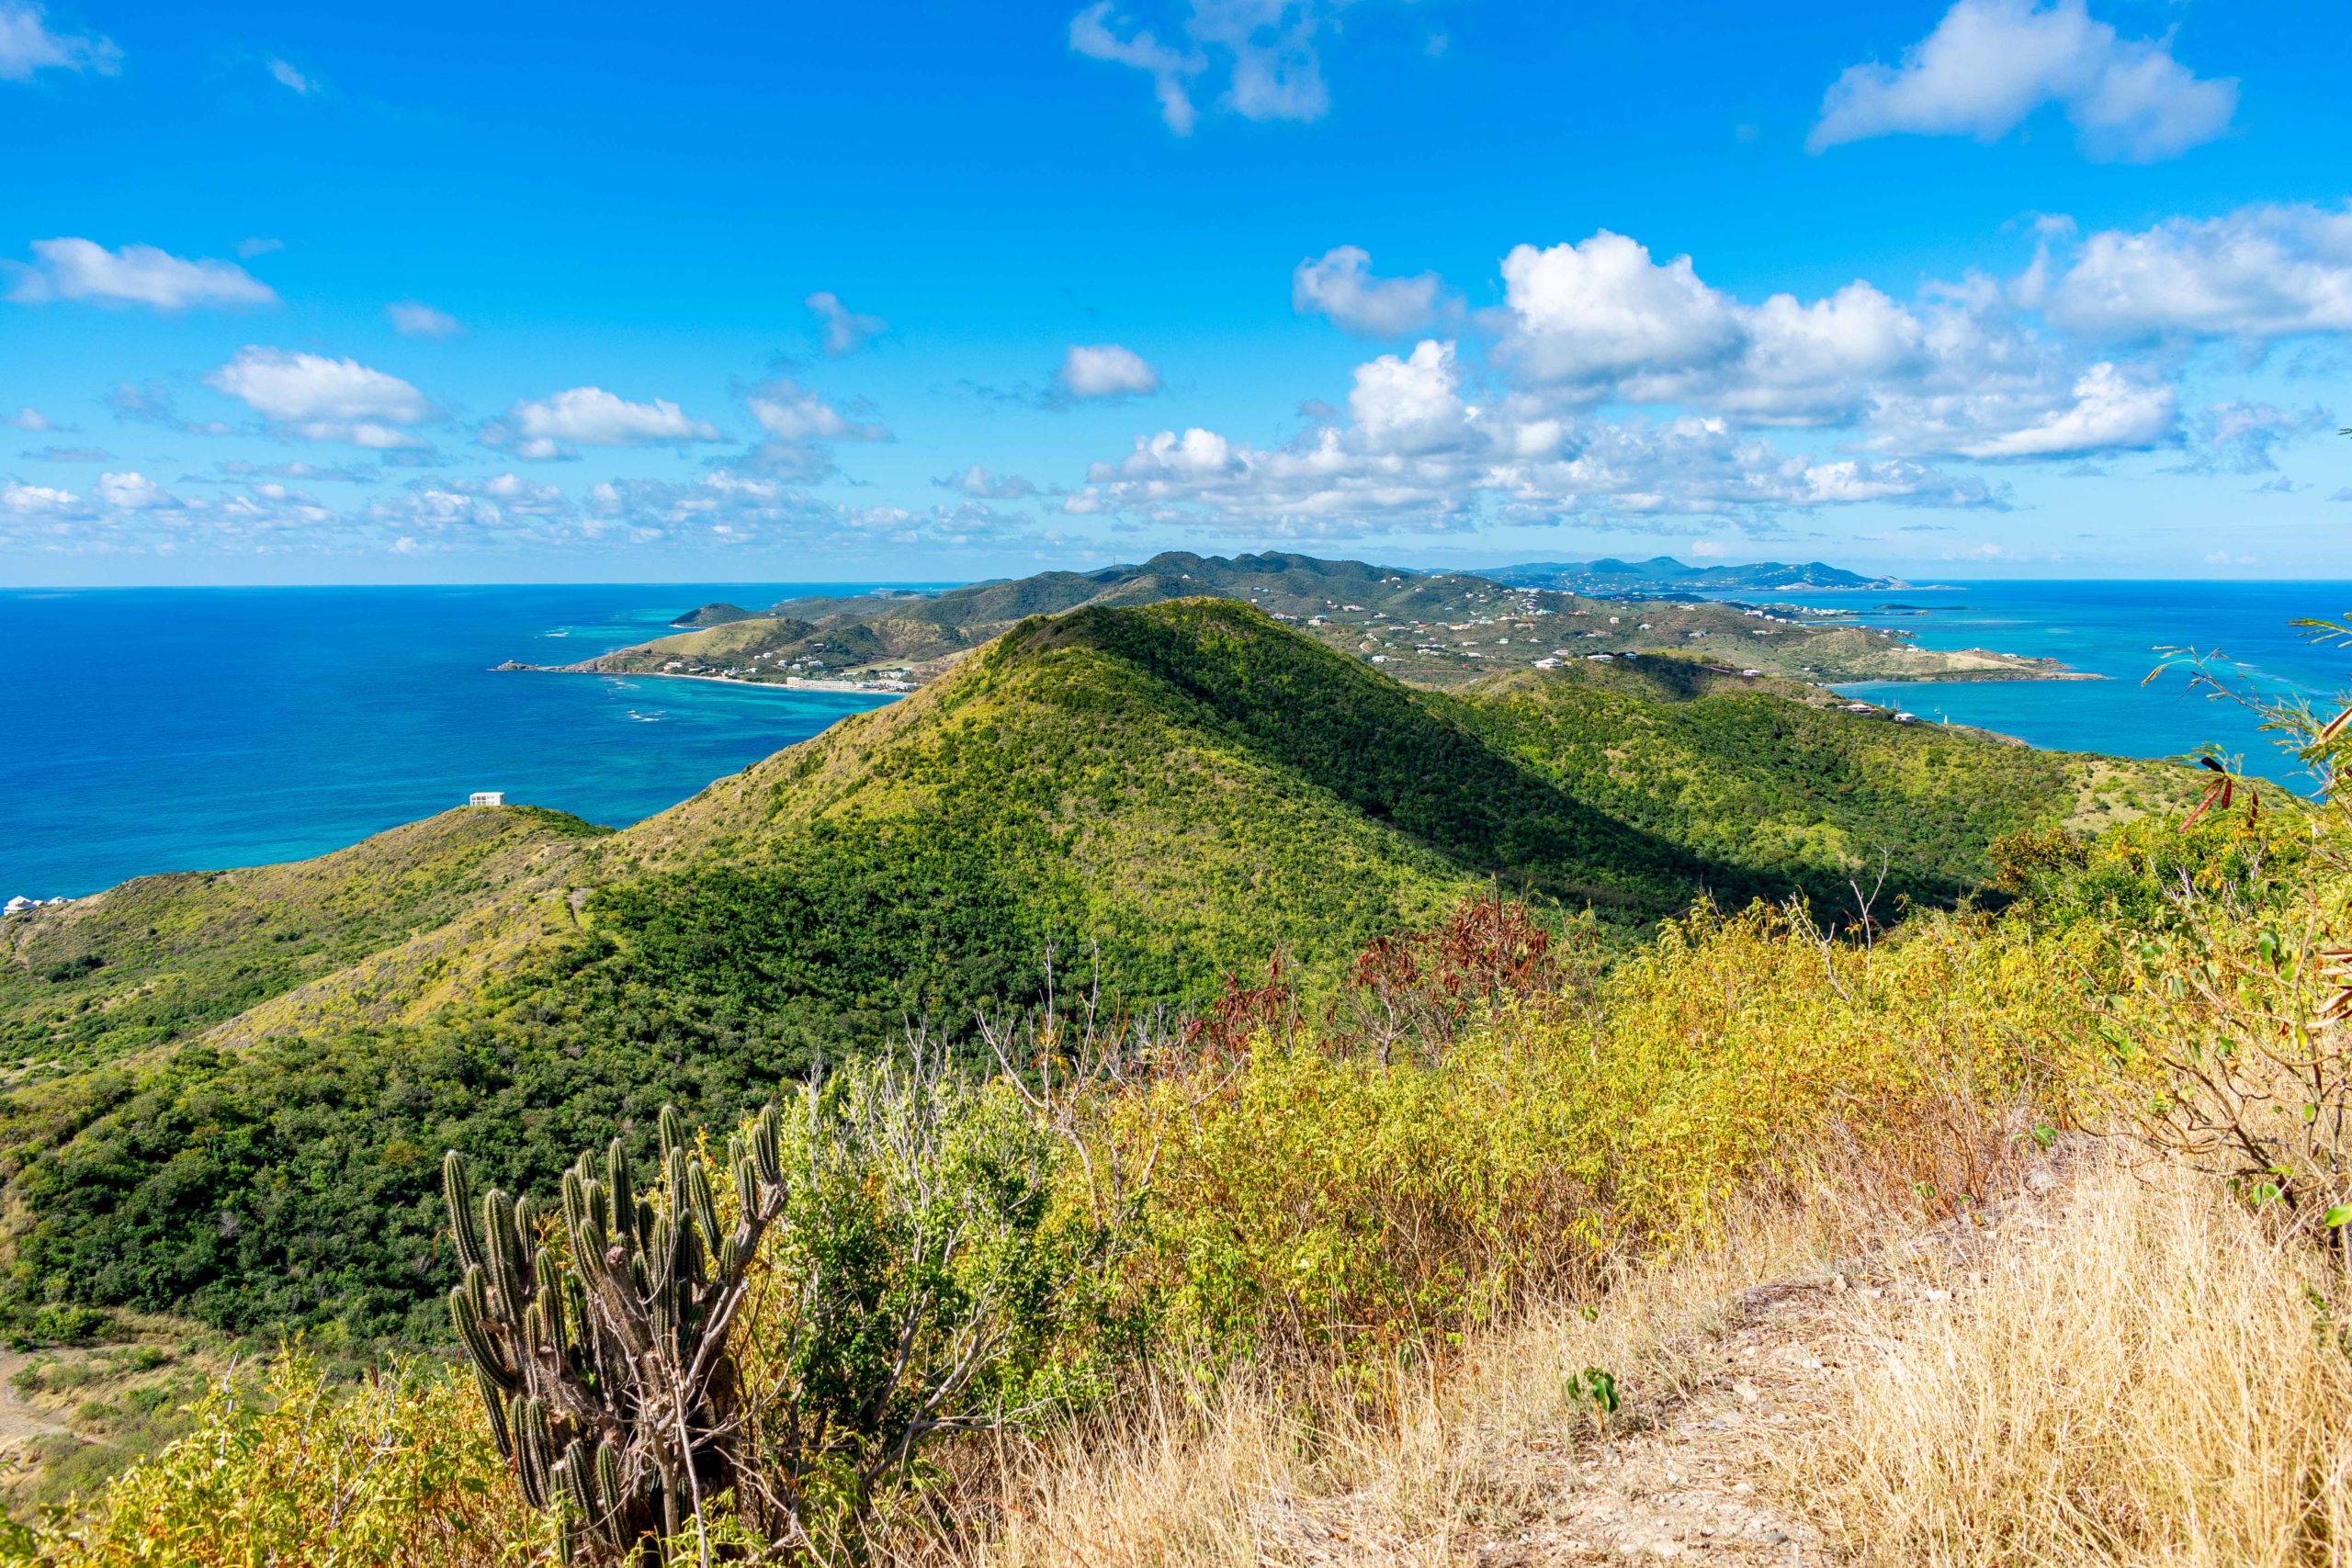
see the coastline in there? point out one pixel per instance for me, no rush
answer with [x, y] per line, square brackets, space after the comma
[1969, 677]
[791, 684]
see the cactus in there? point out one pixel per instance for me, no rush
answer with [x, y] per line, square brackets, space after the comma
[603, 1362]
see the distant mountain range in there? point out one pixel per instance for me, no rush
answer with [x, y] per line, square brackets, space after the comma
[1665, 574]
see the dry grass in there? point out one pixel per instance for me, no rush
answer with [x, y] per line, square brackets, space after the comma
[2141, 1376]
[2126, 1370]
[1420, 1466]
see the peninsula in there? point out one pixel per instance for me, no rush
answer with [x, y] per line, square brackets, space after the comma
[1438, 630]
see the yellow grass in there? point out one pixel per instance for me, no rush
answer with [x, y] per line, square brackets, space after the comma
[1416, 1466]
[2140, 1377]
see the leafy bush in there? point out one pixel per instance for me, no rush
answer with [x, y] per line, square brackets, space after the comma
[397, 1471]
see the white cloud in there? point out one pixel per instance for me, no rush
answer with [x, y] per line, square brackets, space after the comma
[137, 275]
[791, 412]
[28, 45]
[801, 427]
[1593, 311]
[977, 482]
[842, 330]
[590, 416]
[320, 398]
[1341, 285]
[1989, 63]
[133, 492]
[29, 419]
[1954, 372]
[2109, 410]
[411, 319]
[1106, 370]
[1264, 51]
[37, 500]
[1417, 449]
[2260, 272]
[256, 246]
[1412, 404]
[292, 80]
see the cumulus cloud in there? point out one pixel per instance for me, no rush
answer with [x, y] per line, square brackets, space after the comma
[2109, 410]
[1601, 309]
[38, 501]
[133, 492]
[135, 274]
[801, 429]
[1106, 370]
[1341, 285]
[551, 427]
[321, 398]
[1990, 63]
[2261, 272]
[1417, 448]
[1954, 372]
[26, 419]
[411, 319]
[790, 411]
[982, 485]
[1264, 54]
[29, 44]
[841, 329]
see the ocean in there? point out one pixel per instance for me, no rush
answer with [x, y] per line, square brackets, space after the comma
[2120, 630]
[165, 729]
[171, 729]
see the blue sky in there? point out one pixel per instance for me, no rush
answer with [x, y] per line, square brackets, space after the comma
[930, 292]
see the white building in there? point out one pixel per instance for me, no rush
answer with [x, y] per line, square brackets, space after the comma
[487, 797]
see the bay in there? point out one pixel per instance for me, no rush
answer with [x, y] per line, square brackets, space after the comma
[2122, 631]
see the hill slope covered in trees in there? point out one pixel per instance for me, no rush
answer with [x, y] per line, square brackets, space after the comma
[1176, 791]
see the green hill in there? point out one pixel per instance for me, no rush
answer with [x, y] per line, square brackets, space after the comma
[159, 957]
[1181, 789]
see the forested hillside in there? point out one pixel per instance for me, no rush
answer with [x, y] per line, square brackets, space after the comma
[159, 957]
[1174, 794]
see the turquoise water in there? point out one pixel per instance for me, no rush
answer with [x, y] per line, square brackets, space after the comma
[180, 730]
[2119, 631]
[188, 730]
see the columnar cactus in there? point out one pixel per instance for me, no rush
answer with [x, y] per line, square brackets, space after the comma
[603, 1362]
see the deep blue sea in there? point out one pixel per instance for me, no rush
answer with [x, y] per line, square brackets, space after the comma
[176, 730]
[171, 729]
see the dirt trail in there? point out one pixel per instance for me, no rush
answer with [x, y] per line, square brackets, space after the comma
[21, 1422]
[1701, 1475]
[1700, 1481]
